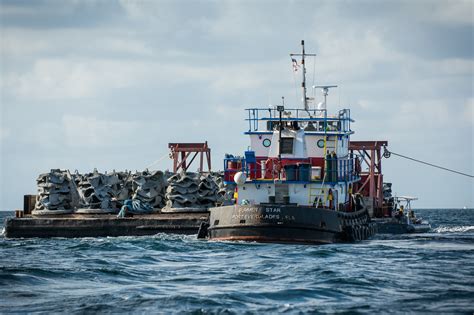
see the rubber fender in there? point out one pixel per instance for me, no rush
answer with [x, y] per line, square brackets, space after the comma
[353, 234]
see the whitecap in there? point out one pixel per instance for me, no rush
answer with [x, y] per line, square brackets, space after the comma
[454, 229]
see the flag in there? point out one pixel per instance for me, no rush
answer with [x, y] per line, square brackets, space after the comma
[295, 64]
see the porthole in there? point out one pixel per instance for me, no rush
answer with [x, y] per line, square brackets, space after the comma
[266, 143]
[320, 143]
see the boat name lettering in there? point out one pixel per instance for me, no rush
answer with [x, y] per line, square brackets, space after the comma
[248, 209]
[272, 210]
[256, 217]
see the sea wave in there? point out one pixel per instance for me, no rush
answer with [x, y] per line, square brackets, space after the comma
[409, 273]
[454, 229]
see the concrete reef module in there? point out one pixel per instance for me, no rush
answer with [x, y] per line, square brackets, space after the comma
[63, 192]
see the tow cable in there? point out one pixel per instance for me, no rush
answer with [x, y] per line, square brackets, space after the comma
[387, 154]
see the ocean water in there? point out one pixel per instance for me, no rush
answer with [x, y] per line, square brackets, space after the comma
[422, 273]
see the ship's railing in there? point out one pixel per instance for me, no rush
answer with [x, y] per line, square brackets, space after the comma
[319, 119]
[332, 170]
[345, 170]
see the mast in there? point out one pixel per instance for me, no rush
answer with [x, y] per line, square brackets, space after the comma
[303, 83]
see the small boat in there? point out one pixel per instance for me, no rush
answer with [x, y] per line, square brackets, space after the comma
[404, 219]
[294, 183]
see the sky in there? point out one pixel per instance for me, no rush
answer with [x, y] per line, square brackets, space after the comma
[108, 84]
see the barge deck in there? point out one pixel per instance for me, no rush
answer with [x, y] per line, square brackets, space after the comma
[102, 225]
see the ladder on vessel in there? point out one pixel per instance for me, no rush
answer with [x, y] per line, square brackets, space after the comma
[316, 194]
[327, 145]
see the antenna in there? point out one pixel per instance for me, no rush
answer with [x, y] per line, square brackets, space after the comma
[325, 89]
[303, 84]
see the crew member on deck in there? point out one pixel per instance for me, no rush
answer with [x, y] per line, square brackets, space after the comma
[399, 213]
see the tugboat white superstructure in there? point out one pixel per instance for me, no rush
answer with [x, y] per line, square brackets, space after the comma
[294, 183]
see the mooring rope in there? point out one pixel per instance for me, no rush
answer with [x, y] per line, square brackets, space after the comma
[387, 154]
[157, 161]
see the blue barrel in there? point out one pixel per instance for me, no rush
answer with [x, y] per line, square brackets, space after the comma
[304, 172]
[250, 157]
[291, 172]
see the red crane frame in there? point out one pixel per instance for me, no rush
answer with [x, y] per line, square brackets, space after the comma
[371, 184]
[180, 153]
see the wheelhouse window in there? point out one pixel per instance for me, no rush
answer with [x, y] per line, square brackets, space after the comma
[287, 145]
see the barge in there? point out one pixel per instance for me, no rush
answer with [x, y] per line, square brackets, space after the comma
[103, 225]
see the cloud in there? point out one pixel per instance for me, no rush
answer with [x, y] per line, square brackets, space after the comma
[21, 43]
[469, 113]
[92, 132]
[105, 77]
[49, 14]
[72, 79]
[4, 133]
[69, 78]
[453, 12]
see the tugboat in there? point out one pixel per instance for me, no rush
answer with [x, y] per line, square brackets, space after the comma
[404, 219]
[294, 183]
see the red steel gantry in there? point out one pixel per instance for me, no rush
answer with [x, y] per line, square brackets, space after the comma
[371, 184]
[184, 150]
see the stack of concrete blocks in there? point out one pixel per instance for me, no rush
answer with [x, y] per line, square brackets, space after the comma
[225, 191]
[207, 191]
[54, 192]
[182, 191]
[99, 191]
[95, 191]
[195, 191]
[126, 187]
[149, 187]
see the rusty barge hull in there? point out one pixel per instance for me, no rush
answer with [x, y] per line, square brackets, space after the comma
[102, 225]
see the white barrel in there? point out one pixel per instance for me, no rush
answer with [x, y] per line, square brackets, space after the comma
[240, 178]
